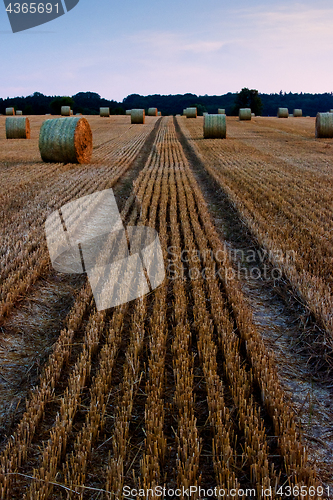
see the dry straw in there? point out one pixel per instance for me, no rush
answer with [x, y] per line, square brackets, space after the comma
[331, 111]
[72, 112]
[104, 112]
[297, 112]
[283, 113]
[128, 111]
[324, 125]
[17, 128]
[215, 126]
[65, 111]
[66, 140]
[244, 114]
[191, 112]
[253, 115]
[19, 112]
[159, 113]
[152, 111]
[221, 111]
[137, 116]
[10, 111]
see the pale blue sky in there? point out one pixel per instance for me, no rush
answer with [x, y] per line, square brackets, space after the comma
[174, 46]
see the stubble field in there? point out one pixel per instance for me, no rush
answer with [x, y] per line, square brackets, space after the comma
[222, 376]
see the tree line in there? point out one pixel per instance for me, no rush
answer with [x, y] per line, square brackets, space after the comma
[88, 103]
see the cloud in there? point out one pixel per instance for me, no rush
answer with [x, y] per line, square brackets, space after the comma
[295, 27]
[171, 44]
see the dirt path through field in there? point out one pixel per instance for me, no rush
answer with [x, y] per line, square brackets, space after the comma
[284, 323]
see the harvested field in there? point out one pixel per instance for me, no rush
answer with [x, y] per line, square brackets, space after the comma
[272, 185]
[184, 386]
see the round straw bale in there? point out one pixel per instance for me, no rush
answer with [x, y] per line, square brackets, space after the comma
[331, 110]
[244, 114]
[204, 114]
[65, 110]
[128, 111]
[104, 112]
[159, 113]
[253, 115]
[297, 112]
[17, 127]
[191, 112]
[215, 126]
[72, 112]
[324, 125]
[283, 113]
[137, 116]
[66, 140]
[152, 111]
[221, 111]
[19, 112]
[10, 111]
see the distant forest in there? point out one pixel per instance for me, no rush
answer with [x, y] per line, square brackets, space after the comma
[89, 103]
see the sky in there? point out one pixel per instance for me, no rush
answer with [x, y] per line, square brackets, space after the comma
[117, 48]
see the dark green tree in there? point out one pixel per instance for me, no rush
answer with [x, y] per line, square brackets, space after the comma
[28, 109]
[247, 98]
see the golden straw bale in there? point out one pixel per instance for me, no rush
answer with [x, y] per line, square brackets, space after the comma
[128, 111]
[215, 126]
[152, 111]
[66, 140]
[104, 112]
[191, 112]
[10, 111]
[297, 112]
[221, 111]
[17, 127]
[65, 111]
[283, 113]
[137, 116]
[324, 125]
[244, 114]
[19, 112]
